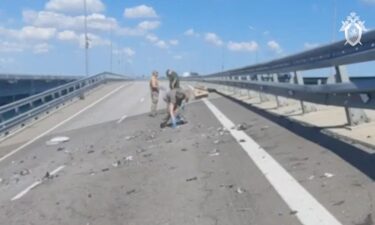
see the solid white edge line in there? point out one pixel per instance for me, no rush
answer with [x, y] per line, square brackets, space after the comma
[309, 210]
[35, 184]
[60, 124]
[122, 118]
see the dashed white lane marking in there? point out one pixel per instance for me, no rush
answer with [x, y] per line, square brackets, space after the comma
[309, 210]
[122, 118]
[60, 124]
[35, 184]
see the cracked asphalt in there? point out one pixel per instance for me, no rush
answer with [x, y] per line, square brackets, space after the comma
[135, 173]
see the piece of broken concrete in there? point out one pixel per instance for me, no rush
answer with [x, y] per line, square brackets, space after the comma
[57, 140]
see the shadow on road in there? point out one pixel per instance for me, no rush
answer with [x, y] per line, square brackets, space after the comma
[363, 161]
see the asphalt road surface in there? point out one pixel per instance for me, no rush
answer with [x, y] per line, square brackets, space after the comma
[120, 168]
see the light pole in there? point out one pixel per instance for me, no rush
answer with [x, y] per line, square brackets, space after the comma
[86, 41]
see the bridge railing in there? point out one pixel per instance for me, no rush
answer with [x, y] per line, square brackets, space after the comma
[22, 110]
[338, 91]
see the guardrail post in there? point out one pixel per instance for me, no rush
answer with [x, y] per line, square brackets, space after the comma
[262, 97]
[248, 78]
[298, 79]
[354, 116]
[275, 78]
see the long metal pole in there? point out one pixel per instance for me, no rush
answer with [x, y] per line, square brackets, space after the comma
[111, 55]
[86, 41]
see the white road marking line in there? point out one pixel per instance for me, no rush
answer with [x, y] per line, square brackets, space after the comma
[35, 184]
[60, 124]
[309, 210]
[122, 118]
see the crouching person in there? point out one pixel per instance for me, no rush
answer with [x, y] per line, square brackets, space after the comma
[175, 100]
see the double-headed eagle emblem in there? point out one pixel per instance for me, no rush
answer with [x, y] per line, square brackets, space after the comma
[353, 28]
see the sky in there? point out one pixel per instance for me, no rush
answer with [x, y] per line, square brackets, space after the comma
[204, 36]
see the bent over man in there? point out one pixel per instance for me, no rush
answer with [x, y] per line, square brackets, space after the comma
[175, 100]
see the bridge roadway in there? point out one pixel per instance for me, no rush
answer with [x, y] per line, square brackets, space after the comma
[120, 168]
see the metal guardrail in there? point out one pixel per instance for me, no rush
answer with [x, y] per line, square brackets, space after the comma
[24, 109]
[342, 93]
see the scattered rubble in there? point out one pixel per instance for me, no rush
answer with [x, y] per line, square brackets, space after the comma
[129, 158]
[214, 152]
[242, 126]
[192, 179]
[128, 138]
[25, 172]
[328, 175]
[293, 212]
[240, 190]
[230, 186]
[147, 155]
[57, 140]
[132, 191]
[116, 164]
[264, 128]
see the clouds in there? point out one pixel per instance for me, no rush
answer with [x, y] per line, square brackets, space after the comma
[141, 11]
[129, 52]
[74, 6]
[213, 39]
[97, 22]
[191, 32]
[28, 33]
[149, 25]
[274, 46]
[243, 46]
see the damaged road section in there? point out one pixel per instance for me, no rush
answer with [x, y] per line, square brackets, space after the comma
[37, 183]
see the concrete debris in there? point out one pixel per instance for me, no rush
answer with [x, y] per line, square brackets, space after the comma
[47, 176]
[116, 164]
[230, 186]
[328, 175]
[264, 128]
[293, 212]
[240, 190]
[57, 140]
[192, 179]
[147, 155]
[214, 152]
[242, 126]
[129, 158]
[216, 142]
[25, 172]
[132, 191]
[128, 138]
